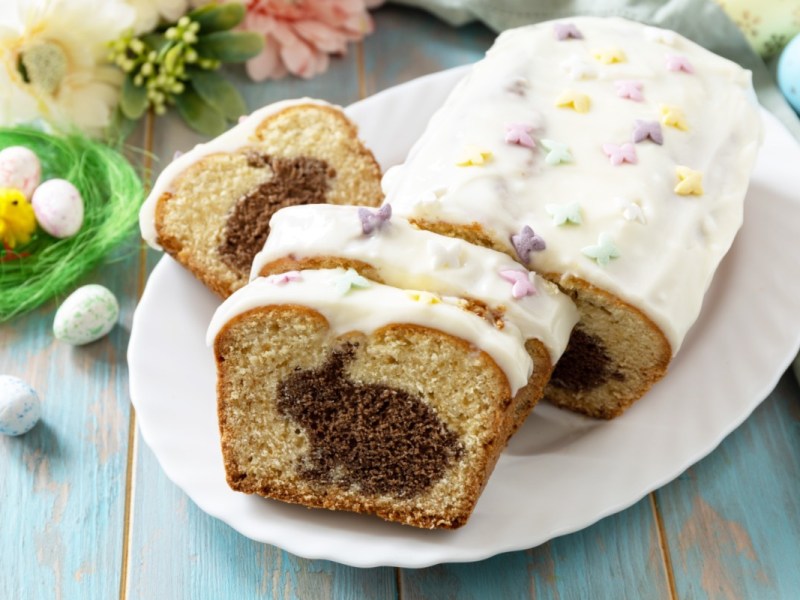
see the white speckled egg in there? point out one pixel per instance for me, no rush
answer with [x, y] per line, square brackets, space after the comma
[88, 314]
[789, 72]
[58, 207]
[20, 407]
[20, 169]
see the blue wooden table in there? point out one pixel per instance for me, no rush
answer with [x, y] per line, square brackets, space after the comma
[86, 512]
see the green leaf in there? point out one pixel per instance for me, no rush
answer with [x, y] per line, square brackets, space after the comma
[200, 115]
[230, 46]
[133, 100]
[218, 17]
[218, 92]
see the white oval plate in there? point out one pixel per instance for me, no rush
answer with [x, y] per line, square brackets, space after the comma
[561, 472]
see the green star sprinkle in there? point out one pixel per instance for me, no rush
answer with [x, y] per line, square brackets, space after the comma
[603, 251]
[350, 279]
[565, 214]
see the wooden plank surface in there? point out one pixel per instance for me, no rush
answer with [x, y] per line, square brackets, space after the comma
[70, 527]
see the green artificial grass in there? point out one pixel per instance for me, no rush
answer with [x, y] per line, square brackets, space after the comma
[112, 194]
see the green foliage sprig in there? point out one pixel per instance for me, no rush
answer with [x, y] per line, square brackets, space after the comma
[177, 64]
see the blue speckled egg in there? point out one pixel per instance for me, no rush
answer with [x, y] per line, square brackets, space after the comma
[789, 72]
[86, 315]
[20, 408]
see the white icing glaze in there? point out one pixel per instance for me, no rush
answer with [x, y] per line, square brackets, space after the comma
[368, 309]
[235, 138]
[669, 245]
[410, 258]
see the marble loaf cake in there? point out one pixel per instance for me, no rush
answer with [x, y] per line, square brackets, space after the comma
[210, 208]
[392, 251]
[611, 157]
[339, 392]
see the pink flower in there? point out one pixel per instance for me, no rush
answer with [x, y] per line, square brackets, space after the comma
[300, 34]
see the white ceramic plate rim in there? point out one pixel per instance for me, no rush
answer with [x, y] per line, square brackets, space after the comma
[561, 472]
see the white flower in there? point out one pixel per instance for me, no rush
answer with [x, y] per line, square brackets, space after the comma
[150, 12]
[53, 61]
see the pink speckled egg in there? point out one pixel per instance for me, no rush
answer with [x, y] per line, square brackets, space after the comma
[20, 169]
[58, 207]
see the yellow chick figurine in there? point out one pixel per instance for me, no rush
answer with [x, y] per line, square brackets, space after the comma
[17, 221]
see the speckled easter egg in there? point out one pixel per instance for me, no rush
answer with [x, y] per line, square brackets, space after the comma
[20, 407]
[20, 169]
[88, 314]
[58, 207]
[789, 72]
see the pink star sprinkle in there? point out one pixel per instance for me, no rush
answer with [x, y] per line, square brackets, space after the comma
[620, 154]
[522, 284]
[647, 130]
[679, 63]
[525, 242]
[632, 90]
[370, 221]
[284, 278]
[565, 31]
[519, 133]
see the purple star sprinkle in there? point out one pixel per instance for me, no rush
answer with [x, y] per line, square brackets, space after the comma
[370, 221]
[644, 130]
[284, 278]
[525, 242]
[519, 133]
[627, 88]
[624, 153]
[565, 31]
[522, 285]
[679, 63]
[177, 155]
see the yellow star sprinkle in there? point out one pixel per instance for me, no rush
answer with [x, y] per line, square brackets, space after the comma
[609, 56]
[472, 156]
[424, 297]
[690, 182]
[673, 117]
[574, 100]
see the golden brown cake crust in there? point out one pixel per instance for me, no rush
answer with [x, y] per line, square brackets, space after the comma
[483, 434]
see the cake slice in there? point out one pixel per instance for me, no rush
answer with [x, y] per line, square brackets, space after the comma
[390, 250]
[341, 393]
[613, 159]
[210, 208]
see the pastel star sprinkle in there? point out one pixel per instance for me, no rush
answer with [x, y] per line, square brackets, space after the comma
[371, 221]
[678, 63]
[630, 89]
[520, 134]
[424, 297]
[521, 281]
[661, 36]
[443, 257]
[647, 130]
[566, 31]
[631, 211]
[603, 251]
[618, 154]
[518, 86]
[525, 242]
[609, 56]
[690, 182]
[673, 116]
[350, 279]
[284, 278]
[575, 100]
[577, 68]
[564, 214]
[472, 156]
[557, 152]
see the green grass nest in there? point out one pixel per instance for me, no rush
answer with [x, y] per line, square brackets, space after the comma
[112, 194]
